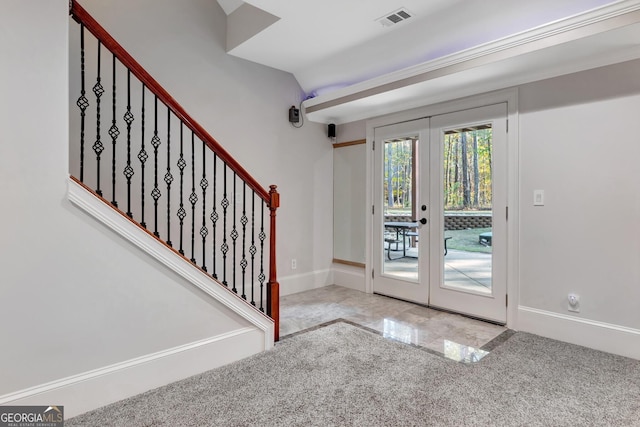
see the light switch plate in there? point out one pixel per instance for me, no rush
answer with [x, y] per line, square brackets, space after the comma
[538, 197]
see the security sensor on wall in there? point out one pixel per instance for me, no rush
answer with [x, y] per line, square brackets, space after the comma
[294, 114]
[295, 118]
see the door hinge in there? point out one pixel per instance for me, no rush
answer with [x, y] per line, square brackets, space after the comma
[373, 209]
[506, 300]
[373, 273]
[374, 145]
[507, 125]
[506, 212]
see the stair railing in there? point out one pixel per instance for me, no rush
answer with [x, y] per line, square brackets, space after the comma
[216, 213]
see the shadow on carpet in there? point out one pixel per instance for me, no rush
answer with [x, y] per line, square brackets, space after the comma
[342, 375]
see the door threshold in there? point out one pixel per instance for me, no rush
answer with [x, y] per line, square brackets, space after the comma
[444, 310]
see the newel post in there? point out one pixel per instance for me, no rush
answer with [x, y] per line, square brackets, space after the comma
[273, 288]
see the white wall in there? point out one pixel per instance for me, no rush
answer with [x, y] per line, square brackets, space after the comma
[245, 107]
[349, 228]
[350, 189]
[579, 143]
[351, 131]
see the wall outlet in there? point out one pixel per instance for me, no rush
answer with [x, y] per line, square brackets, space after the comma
[294, 264]
[574, 303]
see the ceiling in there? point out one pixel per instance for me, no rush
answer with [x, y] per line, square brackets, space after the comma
[353, 67]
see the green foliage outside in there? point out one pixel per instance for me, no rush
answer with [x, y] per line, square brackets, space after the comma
[467, 170]
[398, 173]
[467, 240]
[467, 157]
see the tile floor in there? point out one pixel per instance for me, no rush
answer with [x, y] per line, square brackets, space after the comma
[450, 335]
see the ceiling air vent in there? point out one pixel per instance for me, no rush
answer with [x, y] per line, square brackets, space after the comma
[395, 17]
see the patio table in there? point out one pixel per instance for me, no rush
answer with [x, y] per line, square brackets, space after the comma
[400, 227]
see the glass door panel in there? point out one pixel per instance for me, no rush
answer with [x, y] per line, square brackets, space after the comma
[400, 240]
[467, 188]
[400, 227]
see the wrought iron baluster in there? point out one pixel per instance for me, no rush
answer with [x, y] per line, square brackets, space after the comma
[214, 214]
[225, 247]
[114, 132]
[261, 277]
[168, 177]
[155, 143]
[204, 184]
[193, 198]
[252, 248]
[142, 156]
[234, 235]
[244, 220]
[181, 212]
[82, 102]
[98, 147]
[128, 170]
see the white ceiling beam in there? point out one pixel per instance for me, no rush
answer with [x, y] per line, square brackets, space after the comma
[368, 94]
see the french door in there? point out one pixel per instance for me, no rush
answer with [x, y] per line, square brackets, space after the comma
[440, 198]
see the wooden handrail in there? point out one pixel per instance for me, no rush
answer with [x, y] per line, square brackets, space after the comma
[83, 17]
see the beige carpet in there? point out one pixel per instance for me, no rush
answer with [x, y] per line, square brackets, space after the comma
[342, 375]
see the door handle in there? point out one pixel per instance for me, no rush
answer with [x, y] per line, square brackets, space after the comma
[423, 221]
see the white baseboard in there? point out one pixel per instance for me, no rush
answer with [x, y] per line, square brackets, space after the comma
[90, 390]
[349, 277]
[588, 333]
[305, 282]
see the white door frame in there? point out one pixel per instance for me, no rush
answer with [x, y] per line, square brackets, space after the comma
[510, 96]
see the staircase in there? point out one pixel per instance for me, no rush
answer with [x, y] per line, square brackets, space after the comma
[134, 148]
